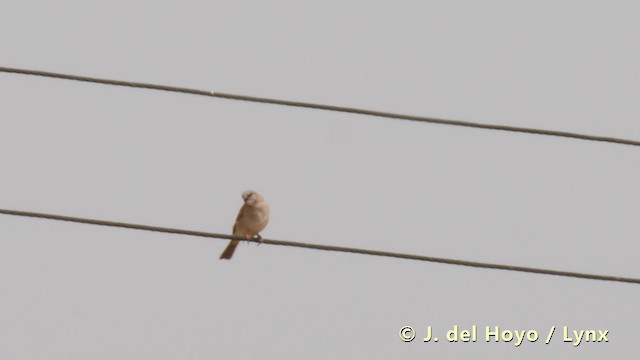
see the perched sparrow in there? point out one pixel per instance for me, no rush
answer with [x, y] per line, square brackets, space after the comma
[252, 218]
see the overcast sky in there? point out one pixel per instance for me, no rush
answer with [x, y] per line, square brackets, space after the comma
[72, 291]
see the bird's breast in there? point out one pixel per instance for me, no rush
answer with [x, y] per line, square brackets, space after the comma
[255, 219]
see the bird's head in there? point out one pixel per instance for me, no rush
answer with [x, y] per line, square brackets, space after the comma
[251, 197]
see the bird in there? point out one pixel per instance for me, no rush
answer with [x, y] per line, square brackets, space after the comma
[252, 218]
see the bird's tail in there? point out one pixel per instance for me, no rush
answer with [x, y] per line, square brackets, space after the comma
[228, 251]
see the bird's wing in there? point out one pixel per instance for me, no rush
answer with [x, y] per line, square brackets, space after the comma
[240, 215]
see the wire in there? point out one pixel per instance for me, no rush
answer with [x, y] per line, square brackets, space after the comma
[323, 247]
[343, 109]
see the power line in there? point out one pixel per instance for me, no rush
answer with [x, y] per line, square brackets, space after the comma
[343, 109]
[323, 247]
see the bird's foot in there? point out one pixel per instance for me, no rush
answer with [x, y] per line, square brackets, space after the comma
[259, 239]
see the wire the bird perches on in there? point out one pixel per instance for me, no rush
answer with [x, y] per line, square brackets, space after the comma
[324, 247]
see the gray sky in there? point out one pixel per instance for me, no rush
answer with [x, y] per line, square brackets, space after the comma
[70, 291]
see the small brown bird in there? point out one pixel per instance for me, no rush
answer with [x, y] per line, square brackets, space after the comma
[252, 218]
